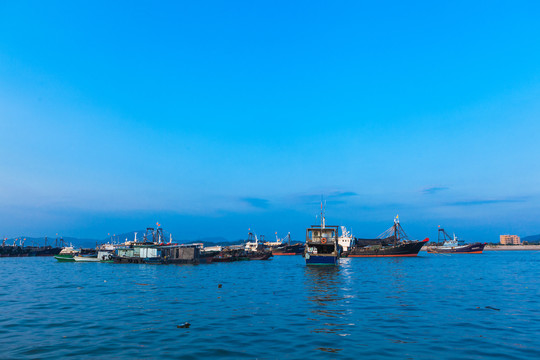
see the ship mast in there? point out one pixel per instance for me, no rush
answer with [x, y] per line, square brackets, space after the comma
[396, 230]
[323, 219]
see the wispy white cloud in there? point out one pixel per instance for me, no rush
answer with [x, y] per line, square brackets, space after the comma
[434, 190]
[477, 202]
[256, 202]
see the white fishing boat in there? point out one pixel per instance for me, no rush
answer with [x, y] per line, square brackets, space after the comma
[278, 242]
[346, 240]
[67, 254]
[253, 243]
[447, 244]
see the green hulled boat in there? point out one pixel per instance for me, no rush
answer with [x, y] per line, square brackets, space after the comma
[67, 254]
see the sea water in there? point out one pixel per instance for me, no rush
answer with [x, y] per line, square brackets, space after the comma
[430, 307]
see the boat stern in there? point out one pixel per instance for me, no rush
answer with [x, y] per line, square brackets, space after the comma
[320, 260]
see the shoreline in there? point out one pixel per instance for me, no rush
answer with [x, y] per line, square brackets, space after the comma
[511, 247]
[507, 248]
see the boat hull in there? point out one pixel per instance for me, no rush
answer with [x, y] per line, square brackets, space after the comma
[296, 249]
[64, 258]
[476, 248]
[321, 260]
[260, 257]
[206, 260]
[409, 249]
[85, 259]
[154, 261]
[30, 251]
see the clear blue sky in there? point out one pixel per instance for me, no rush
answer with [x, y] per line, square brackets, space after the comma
[213, 117]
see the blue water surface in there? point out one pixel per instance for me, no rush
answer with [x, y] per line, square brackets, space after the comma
[429, 307]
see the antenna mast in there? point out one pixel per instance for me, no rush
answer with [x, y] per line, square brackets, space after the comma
[323, 219]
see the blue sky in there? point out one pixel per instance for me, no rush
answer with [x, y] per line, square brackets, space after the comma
[213, 117]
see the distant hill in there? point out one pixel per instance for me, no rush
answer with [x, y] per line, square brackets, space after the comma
[209, 241]
[118, 238]
[213, 241]
[532, 238]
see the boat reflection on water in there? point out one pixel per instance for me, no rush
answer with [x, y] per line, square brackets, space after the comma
[323, 286]
[327, 298]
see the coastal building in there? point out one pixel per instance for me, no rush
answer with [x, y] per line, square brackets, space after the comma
[510, 240]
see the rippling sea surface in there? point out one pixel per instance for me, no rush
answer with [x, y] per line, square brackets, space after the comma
[430, 307]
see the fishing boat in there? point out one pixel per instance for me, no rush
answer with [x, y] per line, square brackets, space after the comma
[24, 251]
[346, 239]
[284, 246]
[207, 256]
[230, 254]
[447, 244]
[322, 246]
[394, 242]
[13, 250]
[66, 254]
[274, 244]
[255, 249]
[253, 243]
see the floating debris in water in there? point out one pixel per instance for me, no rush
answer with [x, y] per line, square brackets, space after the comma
[142, 284]
[492, 308]
[330, 350]
[184, 325]
[220, 286]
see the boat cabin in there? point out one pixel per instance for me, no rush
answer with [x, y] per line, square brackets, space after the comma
[181, 253]
[139, 251]
[321, 240]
